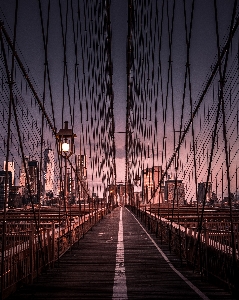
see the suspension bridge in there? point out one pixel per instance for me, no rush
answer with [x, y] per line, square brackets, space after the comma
[119, 149]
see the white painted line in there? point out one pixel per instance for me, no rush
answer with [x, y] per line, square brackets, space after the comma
[120, 287]
[192, 286]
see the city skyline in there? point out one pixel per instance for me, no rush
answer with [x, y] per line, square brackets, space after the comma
[77, 92]
[119, 149]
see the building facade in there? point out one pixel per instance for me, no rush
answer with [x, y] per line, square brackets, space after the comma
[151, 188]
[10, 168]
[48, 172]
[174, 192]
[33, 170]
[23, 174]
[81, 185]
[3, 188]
[203, 193]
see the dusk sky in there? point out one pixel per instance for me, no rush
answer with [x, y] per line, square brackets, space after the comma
[164, 90]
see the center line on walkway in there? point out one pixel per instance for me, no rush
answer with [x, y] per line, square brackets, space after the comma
[120, 287]
[188, 282]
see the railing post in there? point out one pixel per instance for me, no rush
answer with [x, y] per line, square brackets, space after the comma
[161, 230]
[53, 245]
[48, 247]
[145, 216]
[206, 249]
[31, 253]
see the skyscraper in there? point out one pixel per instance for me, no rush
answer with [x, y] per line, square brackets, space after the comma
[202, 193]
[49, 162]
[23, 174]
[10, 168]
[3, 175]
[151, 179]
[174, 192]
[81, 167]
[33, 176]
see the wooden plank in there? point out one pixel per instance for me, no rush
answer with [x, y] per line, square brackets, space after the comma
[87, 270]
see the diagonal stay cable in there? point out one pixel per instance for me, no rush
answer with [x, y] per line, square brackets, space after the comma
[201, 98]
[20, 140]
[24, 72]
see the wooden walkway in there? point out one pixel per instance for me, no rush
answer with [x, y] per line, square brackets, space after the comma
[118, 259]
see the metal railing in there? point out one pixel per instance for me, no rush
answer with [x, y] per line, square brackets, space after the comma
[208, 252]
[29, 250]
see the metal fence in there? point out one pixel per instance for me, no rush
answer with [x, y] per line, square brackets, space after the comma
[208, 251]
[30, 250]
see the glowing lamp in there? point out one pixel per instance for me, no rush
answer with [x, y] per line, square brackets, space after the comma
[65, 138]
[65, 147]
[66, 141]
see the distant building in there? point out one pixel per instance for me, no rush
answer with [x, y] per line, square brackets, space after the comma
[174, 192]
[23, 175]
[151, 178]
[3, 190]
[29, 174]
[33, 176]
[112, 193]
[81, 164]
[15, 199]
[71, 186]
[121, 192]
[48, 171]
[81, 185]
[125, 195]
[202, 193]
[10, 168]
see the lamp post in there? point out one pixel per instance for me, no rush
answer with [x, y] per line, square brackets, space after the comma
[66, 148]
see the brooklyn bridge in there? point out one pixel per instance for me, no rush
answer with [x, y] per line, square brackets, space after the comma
[119, 149]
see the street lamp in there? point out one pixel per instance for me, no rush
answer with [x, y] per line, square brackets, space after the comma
[66, 146]
[66, 140]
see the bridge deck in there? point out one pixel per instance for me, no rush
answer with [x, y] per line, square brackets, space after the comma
[88, 270]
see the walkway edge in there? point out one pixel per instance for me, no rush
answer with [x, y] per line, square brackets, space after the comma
[188, 282]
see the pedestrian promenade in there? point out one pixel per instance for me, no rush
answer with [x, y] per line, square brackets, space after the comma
[118, 259]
